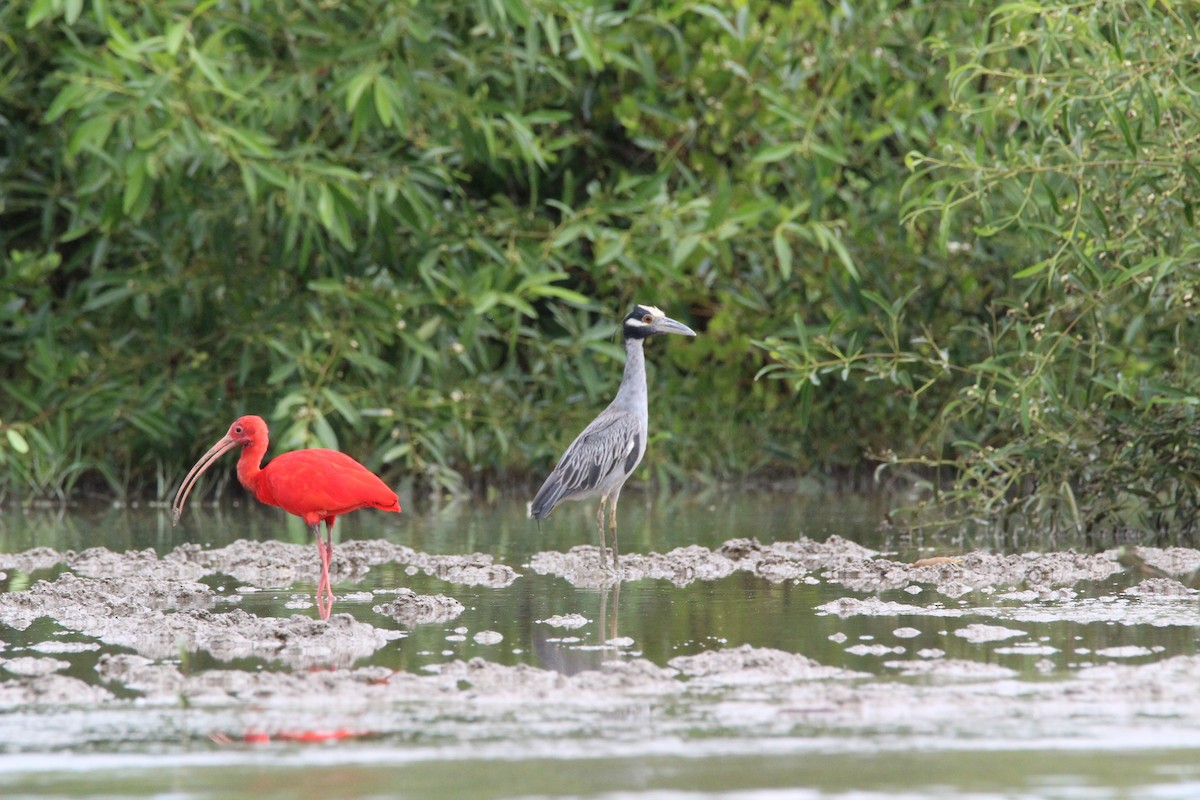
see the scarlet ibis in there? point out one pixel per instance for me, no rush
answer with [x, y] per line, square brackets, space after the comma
[314, 484]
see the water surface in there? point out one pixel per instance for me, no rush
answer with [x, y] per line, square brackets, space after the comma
[1001, 738]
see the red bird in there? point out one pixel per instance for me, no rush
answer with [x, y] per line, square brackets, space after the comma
[314, 484]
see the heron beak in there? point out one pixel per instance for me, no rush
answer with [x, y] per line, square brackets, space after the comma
[668, 325]
[207, 460]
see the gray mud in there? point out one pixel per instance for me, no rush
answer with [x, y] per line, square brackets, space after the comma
[149, 611]
[410, 608]
[778, 562]
[265, 565]
[157, 608]
[739, 691]
[159, 618]
[855, 567]
[273, 564]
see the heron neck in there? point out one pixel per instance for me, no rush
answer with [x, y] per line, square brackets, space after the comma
[632, 393]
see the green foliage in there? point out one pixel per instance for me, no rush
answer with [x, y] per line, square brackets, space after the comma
[958, 239]
[407, 229]
[1063, 398]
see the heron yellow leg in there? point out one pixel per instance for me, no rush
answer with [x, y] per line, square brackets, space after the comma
[600, 525]
[612, 529]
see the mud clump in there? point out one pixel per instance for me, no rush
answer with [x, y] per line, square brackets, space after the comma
[838, 561]
[748, 665]
[873, 607]
[410, 608]
[32, 560]
[1160, 587]
[957, 669]
[160, 618]
[32, 665]
[978, 633]
[975, 571]
[782, 561]
[297, 641]
[1178, 562]
[480, 682]
[265, 565]
[568, 621]
[98, 606]
[100, 562]
[157, 608]
[273, 565]
[51, 690]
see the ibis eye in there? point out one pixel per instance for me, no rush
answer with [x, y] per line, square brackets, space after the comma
[647, 319]
[237, 429]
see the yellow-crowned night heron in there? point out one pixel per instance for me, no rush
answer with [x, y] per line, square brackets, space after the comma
[603, 457]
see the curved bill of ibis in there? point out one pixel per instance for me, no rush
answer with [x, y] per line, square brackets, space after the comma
[219, 449]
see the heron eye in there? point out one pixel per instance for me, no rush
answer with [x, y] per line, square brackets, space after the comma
[647, 319]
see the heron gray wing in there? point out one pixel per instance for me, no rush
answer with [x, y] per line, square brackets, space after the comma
[607, 446]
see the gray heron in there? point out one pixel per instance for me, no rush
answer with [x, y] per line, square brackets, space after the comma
[603, 457]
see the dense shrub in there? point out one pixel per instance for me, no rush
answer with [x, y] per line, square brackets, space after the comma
[1063, 201]
[962, 237]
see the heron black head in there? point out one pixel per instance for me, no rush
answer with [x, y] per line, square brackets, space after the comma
[645, 321]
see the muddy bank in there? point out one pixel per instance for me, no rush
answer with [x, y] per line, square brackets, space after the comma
[158, 608]
[410, 608]
[912, 674]
[276, 565]
[1157, 602]
[158, 682]
[160, 619]
[741, 691]
[778, 562]
[847, 564]
[265, 565]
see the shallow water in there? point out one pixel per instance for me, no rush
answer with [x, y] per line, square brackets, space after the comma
[1043, 687]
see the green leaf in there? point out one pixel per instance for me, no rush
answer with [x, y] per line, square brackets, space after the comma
[249, 182]
[783, 252]
[712, 13]
[324, 431]
[270, 173]
[567, 295]
[72, 96]
[357, 86]
[610, 247]
[347, 411]
[215, 79]
[383, 103]
[396, 452]
[527, 142]
[176, 32]
[325, 207]
[828, 153]
[775, 152]
[16, 441]
[40, 10]
[135, 183]
[586, 44]
[91, 134]
[683, 248]
[115, 294]
[1033, 269]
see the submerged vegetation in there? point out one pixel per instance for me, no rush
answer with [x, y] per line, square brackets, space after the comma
[954, 242]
